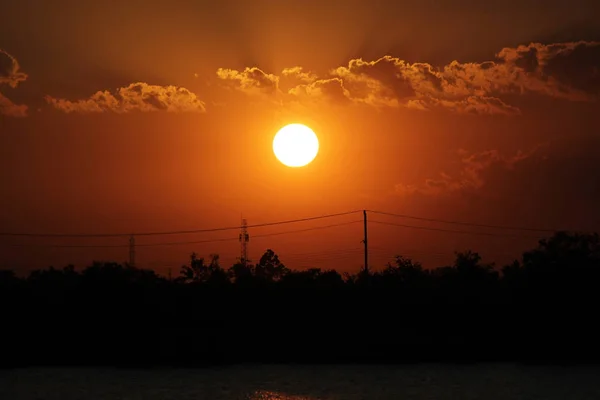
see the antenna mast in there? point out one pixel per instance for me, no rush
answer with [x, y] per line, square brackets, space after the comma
[244, 239]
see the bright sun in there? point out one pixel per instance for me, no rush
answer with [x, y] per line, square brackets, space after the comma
[295, 145]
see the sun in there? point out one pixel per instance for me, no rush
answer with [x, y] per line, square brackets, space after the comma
[295, 145]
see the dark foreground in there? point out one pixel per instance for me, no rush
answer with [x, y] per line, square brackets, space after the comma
[284, 382]
[541, 310]
[224, 326]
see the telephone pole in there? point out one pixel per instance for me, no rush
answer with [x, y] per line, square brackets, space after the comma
[132, 251]
[365, 242]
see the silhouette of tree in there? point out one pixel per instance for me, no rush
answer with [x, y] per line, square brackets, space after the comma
[469, 268]
[467, 278]
[330, 279]
[216, 274]
[112, 274]
[406, 275]
[469, 263]
[563, 250]
[350, 279]
[270, 268]
[241, 273]
[513, 279]
[564, 265]
[8, 279]
[405, 269]
[51, 277]
[403, 312]
[302, 279]
[198, 271]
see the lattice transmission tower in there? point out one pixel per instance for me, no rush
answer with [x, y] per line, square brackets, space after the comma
[244, 239]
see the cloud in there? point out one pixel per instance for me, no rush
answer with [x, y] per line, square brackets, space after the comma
[299, 74]
[135, 97]
[251, 80]
[557, 186]
[471, 174]
[565, 70]
[392, 82]
[386, 81]
[10, 109]
[331, 90]
[474, 105]
[568, 71]
[11, 75]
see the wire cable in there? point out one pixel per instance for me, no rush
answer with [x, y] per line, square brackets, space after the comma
[182, 232]
[464, 223]
[451, 230]
[184, 242]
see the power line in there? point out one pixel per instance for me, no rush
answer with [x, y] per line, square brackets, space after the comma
[517, 228]
[451, 230]
[308, 229]
[181, 232]
[177, 232]
[185, 242]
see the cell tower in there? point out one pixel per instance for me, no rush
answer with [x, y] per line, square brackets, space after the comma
[244, 239]
[132, 251]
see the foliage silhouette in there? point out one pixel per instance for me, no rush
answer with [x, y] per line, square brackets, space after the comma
[536, 309]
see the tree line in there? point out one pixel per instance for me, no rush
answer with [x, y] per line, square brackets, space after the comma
[540, 308]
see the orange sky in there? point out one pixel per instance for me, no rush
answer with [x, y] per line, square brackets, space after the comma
[159, 116]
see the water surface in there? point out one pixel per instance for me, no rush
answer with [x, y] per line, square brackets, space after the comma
[272, 382]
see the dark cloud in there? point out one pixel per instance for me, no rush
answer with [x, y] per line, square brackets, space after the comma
[565, 70]
[471, 175]
[553, 185]
[561, 186]
[10, 109]
[11, 75]
[576, 66]
[569, 168]
[135, 97]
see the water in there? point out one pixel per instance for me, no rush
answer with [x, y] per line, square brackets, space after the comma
[422, 382]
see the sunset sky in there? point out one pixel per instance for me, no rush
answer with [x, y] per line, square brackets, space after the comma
[145, 116]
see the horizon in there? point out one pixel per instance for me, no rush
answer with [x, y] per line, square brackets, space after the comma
[336, 260]
[343, 260]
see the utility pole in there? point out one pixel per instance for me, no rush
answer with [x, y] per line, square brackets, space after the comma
[365, 242]
[132, 251]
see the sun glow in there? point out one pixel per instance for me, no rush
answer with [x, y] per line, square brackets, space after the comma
[295, 145]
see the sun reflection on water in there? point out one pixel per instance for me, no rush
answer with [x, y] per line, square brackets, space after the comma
[268, 395]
